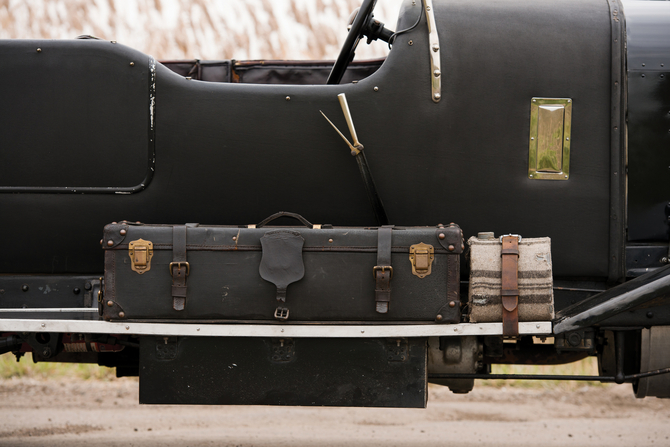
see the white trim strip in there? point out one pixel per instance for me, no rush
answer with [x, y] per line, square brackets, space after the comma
[49, 310]
[269, 330]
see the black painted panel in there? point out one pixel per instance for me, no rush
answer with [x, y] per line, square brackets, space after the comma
[648, 39]
[75, 114]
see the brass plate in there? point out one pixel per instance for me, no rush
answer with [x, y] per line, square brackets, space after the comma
[140, 252]
[421, 256]
[549, 141]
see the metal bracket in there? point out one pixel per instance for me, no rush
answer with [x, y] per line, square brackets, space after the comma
[283, 350]
[167, 350]
[434, 44]
[397, 350]
[140, 252]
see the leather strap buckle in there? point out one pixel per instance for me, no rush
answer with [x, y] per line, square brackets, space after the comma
[518, 236]
[179, 265]
[381, 268]
[281, 313]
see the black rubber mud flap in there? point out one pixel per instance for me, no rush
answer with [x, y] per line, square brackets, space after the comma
[271, 371]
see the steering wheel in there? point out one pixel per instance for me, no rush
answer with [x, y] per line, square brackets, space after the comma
[349, 48]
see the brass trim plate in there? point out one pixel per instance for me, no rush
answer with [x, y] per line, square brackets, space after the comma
[549, 140]
[421, 256]
[140, 252]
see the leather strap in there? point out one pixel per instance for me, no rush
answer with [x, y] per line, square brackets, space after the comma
[510, 285]
[179, 267]
[383, 271]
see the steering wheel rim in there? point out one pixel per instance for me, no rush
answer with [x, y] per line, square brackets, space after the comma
[349, 47]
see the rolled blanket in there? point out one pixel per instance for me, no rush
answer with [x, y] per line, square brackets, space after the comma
[536, 295]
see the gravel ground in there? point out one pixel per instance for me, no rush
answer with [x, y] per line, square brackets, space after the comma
[106, 413]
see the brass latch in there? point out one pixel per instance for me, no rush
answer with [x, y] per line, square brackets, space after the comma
[421, 256]
[140, 252]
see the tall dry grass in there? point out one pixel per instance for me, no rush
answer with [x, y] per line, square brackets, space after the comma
[10, 368]
[206, 29]
[26, 368]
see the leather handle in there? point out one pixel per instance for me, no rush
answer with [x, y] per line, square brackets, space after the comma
[302, 220]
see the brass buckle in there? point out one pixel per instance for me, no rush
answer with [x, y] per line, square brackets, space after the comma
[383, 268]
[179, 264]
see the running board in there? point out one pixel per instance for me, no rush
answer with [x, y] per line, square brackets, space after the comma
[321, 330]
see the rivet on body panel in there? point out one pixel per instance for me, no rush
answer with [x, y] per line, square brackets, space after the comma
[288, 98]
[376, 88]
[39, 50]
[410, 43]
[132, 64]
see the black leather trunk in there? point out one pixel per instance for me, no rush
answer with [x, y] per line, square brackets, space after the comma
[337, 282]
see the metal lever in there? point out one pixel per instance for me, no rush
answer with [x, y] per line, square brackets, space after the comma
[357, 151]
[350, 122]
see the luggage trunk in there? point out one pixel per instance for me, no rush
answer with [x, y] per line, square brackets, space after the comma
[311, 273]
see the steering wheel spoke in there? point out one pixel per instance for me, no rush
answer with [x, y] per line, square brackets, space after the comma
[362, 25]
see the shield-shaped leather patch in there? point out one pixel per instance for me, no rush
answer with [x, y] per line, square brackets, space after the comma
[282, 259]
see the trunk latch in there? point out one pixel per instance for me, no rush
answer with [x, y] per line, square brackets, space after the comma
[421, 256]
[140, 252]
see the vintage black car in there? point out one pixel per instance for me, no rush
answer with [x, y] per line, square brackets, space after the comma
[491, 128]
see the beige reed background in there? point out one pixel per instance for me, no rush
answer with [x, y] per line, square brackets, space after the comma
[204, 29]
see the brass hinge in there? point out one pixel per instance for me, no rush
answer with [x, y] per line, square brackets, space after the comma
[140, 252]
[421, 256]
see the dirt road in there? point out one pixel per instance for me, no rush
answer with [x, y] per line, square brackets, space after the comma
[106, 413]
